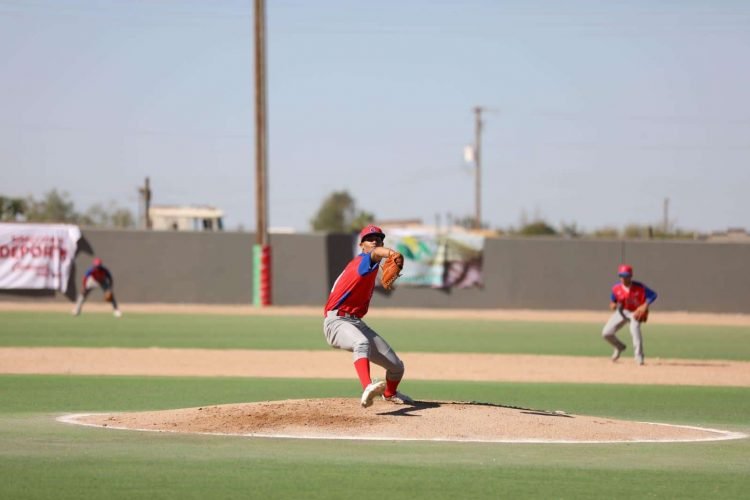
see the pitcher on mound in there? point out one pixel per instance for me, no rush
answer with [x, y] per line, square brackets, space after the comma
[348, 303]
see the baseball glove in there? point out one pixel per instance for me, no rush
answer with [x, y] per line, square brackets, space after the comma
[391, 268]
[641, 316]
[108, 296]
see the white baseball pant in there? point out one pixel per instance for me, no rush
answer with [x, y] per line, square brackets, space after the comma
[353, 334]
[617, 321]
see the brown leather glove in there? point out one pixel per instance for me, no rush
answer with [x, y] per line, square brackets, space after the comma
[641, 315]
[391, 269]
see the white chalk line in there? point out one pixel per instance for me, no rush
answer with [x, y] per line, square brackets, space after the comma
[721, 435]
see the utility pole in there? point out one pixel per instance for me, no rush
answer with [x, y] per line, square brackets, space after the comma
[478, 166]
[145, 194]
[665, 223]
[261, 135]
[261, 250]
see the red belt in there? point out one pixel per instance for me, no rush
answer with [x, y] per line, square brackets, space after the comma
[343, 314]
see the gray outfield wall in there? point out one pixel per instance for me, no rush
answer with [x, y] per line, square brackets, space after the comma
[532, 273]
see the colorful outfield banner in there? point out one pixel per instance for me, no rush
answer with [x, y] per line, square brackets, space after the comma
[438, 260]
[37, 256]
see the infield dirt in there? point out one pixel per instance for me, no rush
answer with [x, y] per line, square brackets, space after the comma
[340, 418]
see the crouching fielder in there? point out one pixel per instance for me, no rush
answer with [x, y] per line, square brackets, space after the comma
[97, 276]
[629, 301]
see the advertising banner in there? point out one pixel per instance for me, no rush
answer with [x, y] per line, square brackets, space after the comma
[438, 260]
[37, 256]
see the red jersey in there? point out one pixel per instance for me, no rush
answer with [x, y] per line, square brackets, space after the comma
[633, 297]
[100, 273]
[352, 290]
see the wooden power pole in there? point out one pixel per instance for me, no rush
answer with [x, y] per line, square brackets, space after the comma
[145, 195]
[262, 249]
[261, 134]
[478, 166]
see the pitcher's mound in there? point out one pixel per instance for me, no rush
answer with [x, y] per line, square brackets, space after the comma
[340, 418]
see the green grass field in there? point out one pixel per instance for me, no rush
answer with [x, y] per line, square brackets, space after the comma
[41, 458]
[255, 332]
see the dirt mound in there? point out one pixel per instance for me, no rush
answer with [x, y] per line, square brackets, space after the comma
[341, 418]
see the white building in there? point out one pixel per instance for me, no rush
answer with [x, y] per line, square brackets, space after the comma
[731, 235]
[186, 218]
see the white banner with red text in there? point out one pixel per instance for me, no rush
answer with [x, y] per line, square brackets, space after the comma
[37, 256]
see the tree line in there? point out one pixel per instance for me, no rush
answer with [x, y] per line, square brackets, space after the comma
[57, 207]
[339, 213]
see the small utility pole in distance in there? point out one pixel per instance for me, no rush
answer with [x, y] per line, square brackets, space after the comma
[145, 195]
[478, 167]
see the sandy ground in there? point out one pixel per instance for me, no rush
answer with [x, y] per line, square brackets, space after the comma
[345, 418]
[338, 418]
[337, 364]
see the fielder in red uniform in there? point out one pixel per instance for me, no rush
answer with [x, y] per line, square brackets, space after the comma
[344, 328]
[97, 276]
[630, 301]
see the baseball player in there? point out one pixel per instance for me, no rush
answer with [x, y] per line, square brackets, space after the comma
[97, 276]
[344, 328]
[630, 301]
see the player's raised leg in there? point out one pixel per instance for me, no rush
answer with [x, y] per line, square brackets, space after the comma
[346, 333]
[615, 322]
[383, 355]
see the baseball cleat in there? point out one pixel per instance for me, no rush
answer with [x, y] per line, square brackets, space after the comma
[399, 398]
[372, 390]
[639, 360]
[616, 354]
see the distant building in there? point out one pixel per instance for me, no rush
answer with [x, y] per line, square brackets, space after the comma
[186, 218]
[282, 230]
[731, 235]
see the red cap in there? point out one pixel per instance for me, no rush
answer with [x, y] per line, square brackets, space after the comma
[625, 270]
[97, 261]
[370, 230]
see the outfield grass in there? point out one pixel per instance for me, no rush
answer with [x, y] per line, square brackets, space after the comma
[254, 332]
[41, 458]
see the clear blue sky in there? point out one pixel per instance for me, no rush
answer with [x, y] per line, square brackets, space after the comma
[603, 109]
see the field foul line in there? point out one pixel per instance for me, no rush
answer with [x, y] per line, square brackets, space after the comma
[722, 435]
